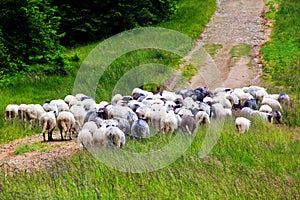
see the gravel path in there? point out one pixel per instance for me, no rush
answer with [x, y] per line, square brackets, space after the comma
[235, 22]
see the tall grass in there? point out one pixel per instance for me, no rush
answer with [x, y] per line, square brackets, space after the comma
[281, 54]
[261, 164]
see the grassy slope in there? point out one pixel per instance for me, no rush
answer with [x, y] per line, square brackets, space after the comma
[264, 163]
[282, 55]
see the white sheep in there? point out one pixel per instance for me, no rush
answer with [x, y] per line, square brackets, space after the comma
[169, 122]
[48, 122]
[274, 104]
[33, 113]
[79, 113]
[242, 124]
[69, 98]
[100, 138]
[88, 104]
[61, 105]
[157, 112]
[220, 112]
[265, 108]
[65, 123]
[11, 112]
[261, 115]
[202, 118]
[50, 107]
[85, 138]
[117, 111]
[184, 112]
[22, 113]
[80, 96]
[91, 126]
[116, 136]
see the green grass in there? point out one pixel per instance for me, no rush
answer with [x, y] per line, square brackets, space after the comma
[260, 164]
[281, 55]
[212, 49]
[189, 71]
[192, 17]
[239, 51]
[43, 147]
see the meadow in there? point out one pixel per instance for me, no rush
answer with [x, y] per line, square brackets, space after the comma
[261, 164]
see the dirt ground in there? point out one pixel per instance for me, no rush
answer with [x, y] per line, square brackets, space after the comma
[235, 22]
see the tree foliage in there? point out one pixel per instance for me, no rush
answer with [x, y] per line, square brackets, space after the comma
[29, 36]
[90, 20]
[33, 33]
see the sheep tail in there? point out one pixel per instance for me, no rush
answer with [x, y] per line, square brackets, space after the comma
[188, 130]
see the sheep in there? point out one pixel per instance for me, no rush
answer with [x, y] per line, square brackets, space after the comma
[202, 118]
[65, 123]
[242, 124]
[88, 104]
[157, 112]
[205, 107]
[91, 126]
[188, 124]
[50, 107]
[262, 115]
[276, 117]
[184, 112]
[284, 100]
[61, 105]
[117, 111]
[116, 98]
[80, 96]
[247, 111]
[11, 112]
[116, 137]
[143, 111]
[169, 122]
[48, 122]
[32, 113]
[265, 108]
[222, 100]
[219, 110]
[79, 114]
[100, 138]
[85, 138]
[260, 94]
[140, 129]
[69, 98]
[123, 124]
[274, 104]
[22, 113]
[251, 103]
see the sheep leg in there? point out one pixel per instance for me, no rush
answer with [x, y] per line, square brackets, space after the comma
[61, 134]
[50, 135]
[44, 138]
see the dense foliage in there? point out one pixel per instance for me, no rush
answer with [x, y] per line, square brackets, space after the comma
[32, 32]
[29, 36]
[86, 21]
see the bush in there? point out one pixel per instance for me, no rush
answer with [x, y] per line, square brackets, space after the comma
[28, 31]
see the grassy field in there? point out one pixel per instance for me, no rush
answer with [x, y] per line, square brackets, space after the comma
[261, 164]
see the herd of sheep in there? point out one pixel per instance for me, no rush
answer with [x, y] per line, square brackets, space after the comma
[107, 124]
